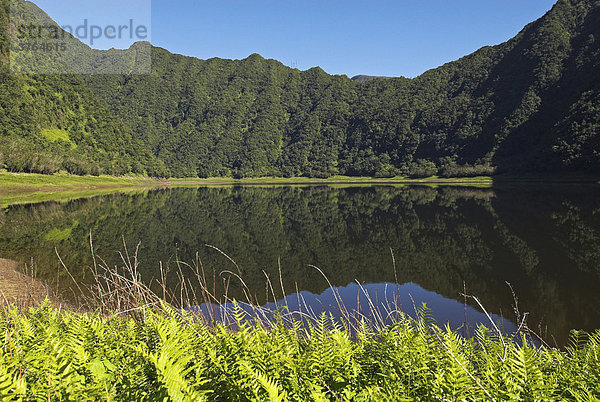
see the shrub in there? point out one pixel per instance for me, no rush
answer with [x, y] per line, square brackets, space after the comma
[422, 168]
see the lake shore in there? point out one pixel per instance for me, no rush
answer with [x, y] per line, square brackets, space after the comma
[16, 287]
[21, 182]
[28, 188]
[32, 182]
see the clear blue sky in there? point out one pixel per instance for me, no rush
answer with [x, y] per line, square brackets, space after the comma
[374, 37]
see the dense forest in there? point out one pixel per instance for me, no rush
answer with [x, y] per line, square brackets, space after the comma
[531, 104]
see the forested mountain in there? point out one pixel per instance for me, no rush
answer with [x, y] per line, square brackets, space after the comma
[55, 122]
[530, 104]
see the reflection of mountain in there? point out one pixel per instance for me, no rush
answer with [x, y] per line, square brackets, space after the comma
[545, 241]
[377, 301]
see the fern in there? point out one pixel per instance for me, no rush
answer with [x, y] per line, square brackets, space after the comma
[173, 361]
[169, 355]
[273, 390]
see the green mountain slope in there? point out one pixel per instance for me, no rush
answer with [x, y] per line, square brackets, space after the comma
[530, 104]
[54, 122]
[222, 117]
[516, 105]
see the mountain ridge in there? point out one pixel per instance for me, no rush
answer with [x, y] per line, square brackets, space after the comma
[367, 78]
[528, 104]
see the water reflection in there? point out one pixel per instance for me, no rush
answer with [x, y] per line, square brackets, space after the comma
[545, 241]
[379, 303]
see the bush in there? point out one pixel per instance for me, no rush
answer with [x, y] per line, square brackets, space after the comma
[422, 168]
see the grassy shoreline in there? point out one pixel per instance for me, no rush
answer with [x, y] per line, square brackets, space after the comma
[33, 197]
[22, 182]
[26, 188]
[22, 188]
[39, 182]
[14, 182]
[333, 180]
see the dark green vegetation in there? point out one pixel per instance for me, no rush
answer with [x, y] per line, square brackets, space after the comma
[530, 104]
[47, 355]
[544, 240]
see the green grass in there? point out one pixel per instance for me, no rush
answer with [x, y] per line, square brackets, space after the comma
[481, 180]
[25, 181]
[24, 188]
[168, 355]
[12, 184]
[21, 188]
[39, 181]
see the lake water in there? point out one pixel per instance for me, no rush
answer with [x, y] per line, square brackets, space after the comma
[543, 240]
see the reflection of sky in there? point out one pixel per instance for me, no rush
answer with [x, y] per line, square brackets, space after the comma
[411, 296]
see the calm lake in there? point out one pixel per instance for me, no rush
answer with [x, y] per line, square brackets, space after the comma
[543, 240]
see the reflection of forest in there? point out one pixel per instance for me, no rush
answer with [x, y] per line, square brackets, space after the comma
[545, 241]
